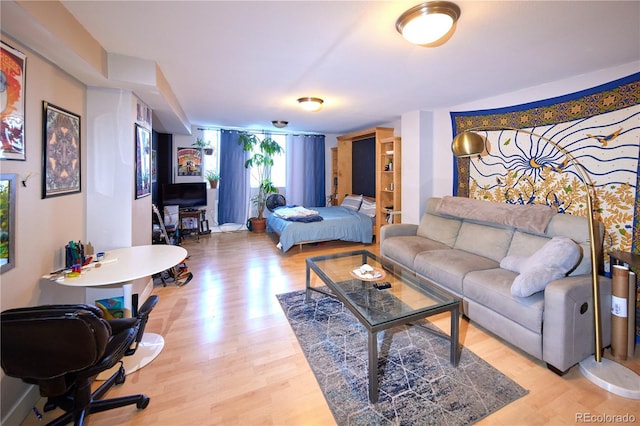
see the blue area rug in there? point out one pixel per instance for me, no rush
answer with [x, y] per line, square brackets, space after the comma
[418, 385]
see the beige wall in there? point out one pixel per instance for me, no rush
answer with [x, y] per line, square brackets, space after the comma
[43, 226]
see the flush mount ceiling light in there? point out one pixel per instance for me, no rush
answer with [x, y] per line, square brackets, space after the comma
[428, 22]
[310, 104]
[279, 123]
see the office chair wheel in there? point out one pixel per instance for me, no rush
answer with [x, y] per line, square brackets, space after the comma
[122, 376]
[49, 405]
[143, 402]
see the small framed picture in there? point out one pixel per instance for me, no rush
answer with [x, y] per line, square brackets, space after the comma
[143, 161]
[189, 162]
[61, 151]
[7, 221]
[12, 91]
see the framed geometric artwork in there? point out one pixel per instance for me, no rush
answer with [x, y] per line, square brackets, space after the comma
[7, 221]
[61, 151]
[143, 161]
[12, 81]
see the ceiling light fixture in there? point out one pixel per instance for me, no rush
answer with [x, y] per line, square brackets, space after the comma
[428, 23]
[279, 123]
[310, 104]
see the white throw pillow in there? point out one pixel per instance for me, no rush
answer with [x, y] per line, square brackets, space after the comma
[352, 202]
[551, 262]
[368, 207]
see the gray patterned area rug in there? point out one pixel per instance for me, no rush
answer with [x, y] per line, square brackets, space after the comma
[418, 385]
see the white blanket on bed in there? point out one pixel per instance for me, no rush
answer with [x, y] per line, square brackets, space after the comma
[295, 211]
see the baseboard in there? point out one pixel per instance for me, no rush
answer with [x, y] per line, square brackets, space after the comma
[23, 407]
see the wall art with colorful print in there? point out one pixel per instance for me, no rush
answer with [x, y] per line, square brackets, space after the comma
[12, 86]
[61, 151]
[599, 127]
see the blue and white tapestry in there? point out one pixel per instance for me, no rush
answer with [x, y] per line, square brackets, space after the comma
[599, 127]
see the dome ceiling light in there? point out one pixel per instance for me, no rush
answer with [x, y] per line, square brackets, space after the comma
[428, 23]
[310, 103]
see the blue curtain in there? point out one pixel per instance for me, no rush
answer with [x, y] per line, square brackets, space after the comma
[233, 192]
[306, 170]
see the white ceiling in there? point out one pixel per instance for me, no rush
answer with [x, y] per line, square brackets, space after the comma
[244, 63]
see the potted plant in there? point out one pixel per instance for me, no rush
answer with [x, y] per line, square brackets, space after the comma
[261, 153]
[205, 146]
[213, 177]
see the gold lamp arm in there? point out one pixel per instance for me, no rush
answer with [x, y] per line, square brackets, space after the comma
[469, 143]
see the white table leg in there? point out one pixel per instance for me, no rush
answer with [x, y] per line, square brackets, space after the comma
[148, 349]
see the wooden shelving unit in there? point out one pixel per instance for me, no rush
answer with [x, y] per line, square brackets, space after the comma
[388, 182]
[334, 176]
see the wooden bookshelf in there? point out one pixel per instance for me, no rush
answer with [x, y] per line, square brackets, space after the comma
[388, 182]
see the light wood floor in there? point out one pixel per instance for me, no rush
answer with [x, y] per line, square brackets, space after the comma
[230, 357]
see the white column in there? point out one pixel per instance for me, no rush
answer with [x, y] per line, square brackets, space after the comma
[417, 159]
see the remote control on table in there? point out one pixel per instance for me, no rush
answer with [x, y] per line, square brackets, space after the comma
[382, 286]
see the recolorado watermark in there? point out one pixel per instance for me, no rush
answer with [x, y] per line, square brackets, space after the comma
[605, 418]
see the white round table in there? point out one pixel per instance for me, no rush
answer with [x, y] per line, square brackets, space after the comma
[120, 268]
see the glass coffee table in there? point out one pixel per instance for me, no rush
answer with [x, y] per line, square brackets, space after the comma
[378, 306]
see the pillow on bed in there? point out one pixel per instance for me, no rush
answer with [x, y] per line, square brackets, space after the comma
[368, 207]
[352, 202]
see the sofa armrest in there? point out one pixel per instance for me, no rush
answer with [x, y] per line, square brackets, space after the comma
[568, 330]
[398, 230]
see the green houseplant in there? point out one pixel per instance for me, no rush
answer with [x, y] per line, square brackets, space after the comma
[205, 146]
[213, 177]
[261, 153]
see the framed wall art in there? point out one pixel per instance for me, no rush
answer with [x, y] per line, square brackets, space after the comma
[7, 221]
[143, 161]
[12, 88]
[189, 162]
[61, 151]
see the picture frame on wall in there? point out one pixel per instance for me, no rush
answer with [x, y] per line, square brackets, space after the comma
[189, 162]
[12, 106]
[61, 161]
[8, 190]
[143, 161]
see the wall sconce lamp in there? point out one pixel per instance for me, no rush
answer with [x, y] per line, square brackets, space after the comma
[280, 124]
[310, 104]
[605, 373]
[428, 23]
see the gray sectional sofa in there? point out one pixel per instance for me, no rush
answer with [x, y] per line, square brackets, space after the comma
[477, 249]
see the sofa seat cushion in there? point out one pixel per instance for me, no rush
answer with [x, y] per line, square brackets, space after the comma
[405, 249]
[449, 267]
[492, 288]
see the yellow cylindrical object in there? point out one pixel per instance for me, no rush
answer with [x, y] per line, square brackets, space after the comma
[619, 311]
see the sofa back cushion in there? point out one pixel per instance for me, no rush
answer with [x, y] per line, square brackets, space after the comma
[577, 228]
[562, 225]
[484, 240]
[438, 228]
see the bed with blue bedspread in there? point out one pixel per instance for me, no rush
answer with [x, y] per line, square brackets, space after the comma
[338, 223]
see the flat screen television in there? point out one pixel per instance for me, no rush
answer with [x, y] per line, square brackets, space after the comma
[186, 195]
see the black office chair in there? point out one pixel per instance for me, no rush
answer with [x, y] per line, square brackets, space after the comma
[62, 348]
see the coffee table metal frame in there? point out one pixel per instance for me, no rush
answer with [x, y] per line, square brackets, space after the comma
[446, 303]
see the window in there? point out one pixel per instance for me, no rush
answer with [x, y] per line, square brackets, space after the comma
[278, 170]
[211, 162]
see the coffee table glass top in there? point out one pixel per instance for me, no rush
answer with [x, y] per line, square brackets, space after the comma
[408, 296]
